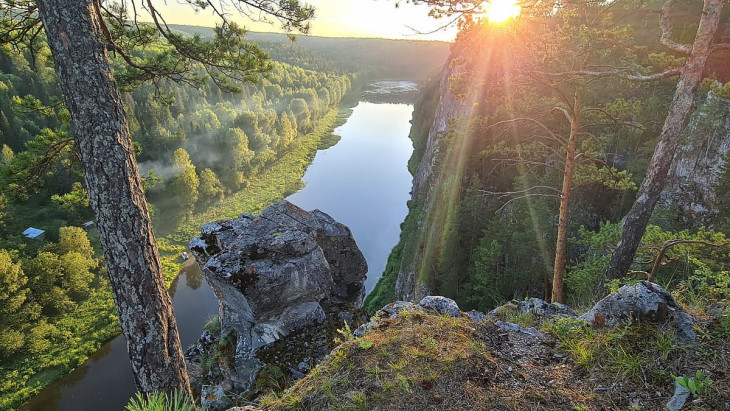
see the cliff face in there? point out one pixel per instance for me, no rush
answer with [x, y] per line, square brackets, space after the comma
[450, 107]
[698, 163]
[285, 280]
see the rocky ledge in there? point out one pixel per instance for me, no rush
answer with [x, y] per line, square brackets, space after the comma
[286, 281]
[523, 355]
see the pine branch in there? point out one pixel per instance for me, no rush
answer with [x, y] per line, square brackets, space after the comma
[666, 27]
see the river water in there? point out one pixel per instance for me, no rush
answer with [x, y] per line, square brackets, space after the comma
[362, 182]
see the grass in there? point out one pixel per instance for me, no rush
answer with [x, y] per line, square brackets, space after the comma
[646, 355]
[425, 361]
[420, 361]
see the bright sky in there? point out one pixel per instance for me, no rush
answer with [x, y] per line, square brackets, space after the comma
[341, 18]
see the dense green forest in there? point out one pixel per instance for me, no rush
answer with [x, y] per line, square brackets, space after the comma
[484, 230]
[375, 58]
[203, 153]
[483, 226]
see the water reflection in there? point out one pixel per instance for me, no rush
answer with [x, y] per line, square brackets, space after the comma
[193, 276]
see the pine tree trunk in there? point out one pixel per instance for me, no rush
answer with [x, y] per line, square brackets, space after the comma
[561, 246]
[102, 136]
[657, 174]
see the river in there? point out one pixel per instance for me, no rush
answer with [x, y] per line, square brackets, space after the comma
[362, 182]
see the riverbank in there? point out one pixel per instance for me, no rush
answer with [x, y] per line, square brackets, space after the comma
[94, 322]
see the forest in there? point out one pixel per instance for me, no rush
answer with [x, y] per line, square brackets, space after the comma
[483, 228]
[528, 156]
[203, 153]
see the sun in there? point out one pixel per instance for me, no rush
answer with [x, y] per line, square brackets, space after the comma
[501, 10]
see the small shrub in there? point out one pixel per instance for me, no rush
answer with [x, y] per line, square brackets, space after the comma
[696, 385]
[160, 402]
[213, 325]
[346, 334]
[365, 344]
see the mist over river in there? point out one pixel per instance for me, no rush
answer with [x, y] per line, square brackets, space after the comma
[362, 181]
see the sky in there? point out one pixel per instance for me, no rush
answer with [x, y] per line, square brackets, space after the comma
[340, 18]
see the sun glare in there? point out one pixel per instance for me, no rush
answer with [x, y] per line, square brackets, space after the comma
[501, 10]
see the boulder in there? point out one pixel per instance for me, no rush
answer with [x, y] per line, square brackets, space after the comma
[644, 301]
[213, 397]
[284, 280]
[476, 316]
[536, 306]
[441, 305]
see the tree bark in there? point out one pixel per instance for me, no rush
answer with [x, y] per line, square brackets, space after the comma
[561, 246]
[100, 129]
[657, 174]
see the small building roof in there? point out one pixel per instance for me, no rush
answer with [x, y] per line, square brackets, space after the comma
[32, 232]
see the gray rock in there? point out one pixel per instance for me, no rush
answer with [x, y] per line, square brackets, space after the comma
[393, 309]
[691, 190]
[441, 305]
[286, 274]
[296, 374]
[390, 311]
[213, 397]
[716, 309]
[309, 314]
[303, 366]
[680, 397]
[516, 328]
[476, 316]
[536, 306]
[644, 301]
[361, 330]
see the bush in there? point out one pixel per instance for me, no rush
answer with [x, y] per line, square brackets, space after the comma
[696, 265]
[10, 342]
[160, 402]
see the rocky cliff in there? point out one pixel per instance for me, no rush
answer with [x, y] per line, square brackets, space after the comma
[698, 163]
[450, 107]
[286, 281]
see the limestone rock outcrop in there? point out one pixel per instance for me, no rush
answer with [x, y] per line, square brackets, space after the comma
[698, 164]
[285, 280]
[536, 306]
[644, 301]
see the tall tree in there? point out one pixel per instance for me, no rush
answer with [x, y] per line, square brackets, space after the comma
[115, 192]
[13, 295]
[79, 39]
[184, 185]
[581, 41]
[657, 173]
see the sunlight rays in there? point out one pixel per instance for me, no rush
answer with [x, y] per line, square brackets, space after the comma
[523, 169]
[443, 203]
[498, 11]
